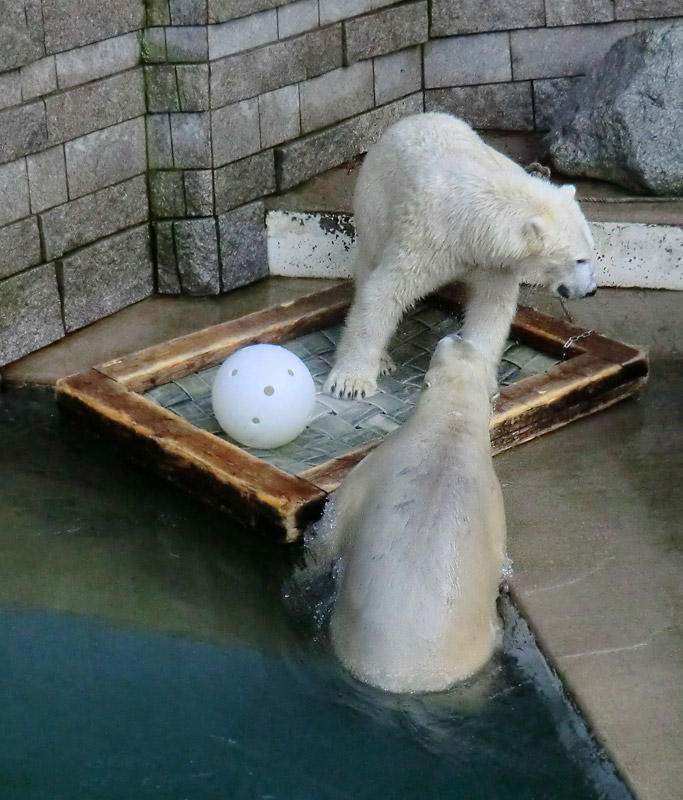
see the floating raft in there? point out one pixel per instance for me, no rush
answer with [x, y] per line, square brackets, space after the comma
[156, 403]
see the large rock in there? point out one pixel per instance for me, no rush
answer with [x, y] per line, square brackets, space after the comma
[623, 122]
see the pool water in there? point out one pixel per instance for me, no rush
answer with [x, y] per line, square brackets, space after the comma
[146, 651]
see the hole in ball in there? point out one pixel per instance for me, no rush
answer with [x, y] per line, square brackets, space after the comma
[290, 371]
[234, 372]
[268, 390]
[255, 420]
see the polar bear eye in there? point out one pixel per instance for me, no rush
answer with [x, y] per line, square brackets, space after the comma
[581, 261]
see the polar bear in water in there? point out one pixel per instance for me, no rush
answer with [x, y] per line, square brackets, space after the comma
[434, 204]
[416, 535]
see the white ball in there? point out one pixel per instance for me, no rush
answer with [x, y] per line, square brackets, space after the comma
[263, 396]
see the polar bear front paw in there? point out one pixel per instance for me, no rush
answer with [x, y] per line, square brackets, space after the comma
[349, 386]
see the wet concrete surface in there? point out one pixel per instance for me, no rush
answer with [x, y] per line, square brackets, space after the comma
[595, 531]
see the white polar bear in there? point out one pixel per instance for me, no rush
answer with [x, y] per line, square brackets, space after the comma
[434, 204]
[416, 535]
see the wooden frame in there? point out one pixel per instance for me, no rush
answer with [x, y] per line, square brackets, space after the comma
[597, 372]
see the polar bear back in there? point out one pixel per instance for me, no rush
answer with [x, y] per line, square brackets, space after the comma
[424, 530]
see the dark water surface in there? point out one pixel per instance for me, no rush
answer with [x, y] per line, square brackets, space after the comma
[145, 652]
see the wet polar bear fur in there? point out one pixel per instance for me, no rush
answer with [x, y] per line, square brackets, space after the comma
[417, 534]
[433, 204]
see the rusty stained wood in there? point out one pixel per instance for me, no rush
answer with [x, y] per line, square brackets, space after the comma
[597, 372]
[176, 358]
[250, 489]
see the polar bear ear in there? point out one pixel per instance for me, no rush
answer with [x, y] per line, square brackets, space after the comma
[569, 190]
[534, 231]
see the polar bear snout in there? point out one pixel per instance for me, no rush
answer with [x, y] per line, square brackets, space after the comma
[581, 283]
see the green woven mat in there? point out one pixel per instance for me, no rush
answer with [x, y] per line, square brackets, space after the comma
[338, 426]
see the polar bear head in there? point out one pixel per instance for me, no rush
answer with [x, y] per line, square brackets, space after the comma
[456, 361]
[557, 249]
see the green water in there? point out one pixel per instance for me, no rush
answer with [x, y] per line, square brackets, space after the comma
[146, 652]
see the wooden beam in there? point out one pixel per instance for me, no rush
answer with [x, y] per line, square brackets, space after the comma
[187, 354]
[208, 467]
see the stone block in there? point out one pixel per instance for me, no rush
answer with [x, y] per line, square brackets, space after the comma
[334, 11]
[242, 236]
[318, 52]
[104, 157]
[94, 216]
[302, 159]
[549, 96]
[385, 31]
[496, 106]
[14, 191]
[85, 64]
[198, 192]
[188, 12]
[279, 115]
[647, 9]
[22, 34]
[47, 179]
[105, 277]
[24, 130]
[166, 193]
[242, 34]
[273, 66]
[97, 105]
[561, 52]
[467, 60]
[30, 312]
[159, 147]
[296, 18]
[336, 95]
[224, 10]
[238, 183]
[19, 246]
[193, 86]
[471, 16]
[191, 137]
[397, 74]
[168, 280]
[187, 45]
[158, 12]
[196, 247]
[161, 88]
[235, 131]
[72, 23]
[10, 88]
[578, 12]
[38, 78]
[153, 46]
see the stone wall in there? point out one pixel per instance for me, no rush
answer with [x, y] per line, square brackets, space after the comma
[74, 241]
[251, 97]
[506, 65]
[176, 118]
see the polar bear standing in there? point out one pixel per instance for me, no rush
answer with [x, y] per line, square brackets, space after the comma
[434, 204]
[417, 533]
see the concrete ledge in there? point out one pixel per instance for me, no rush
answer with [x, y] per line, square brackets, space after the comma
[320, 245]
